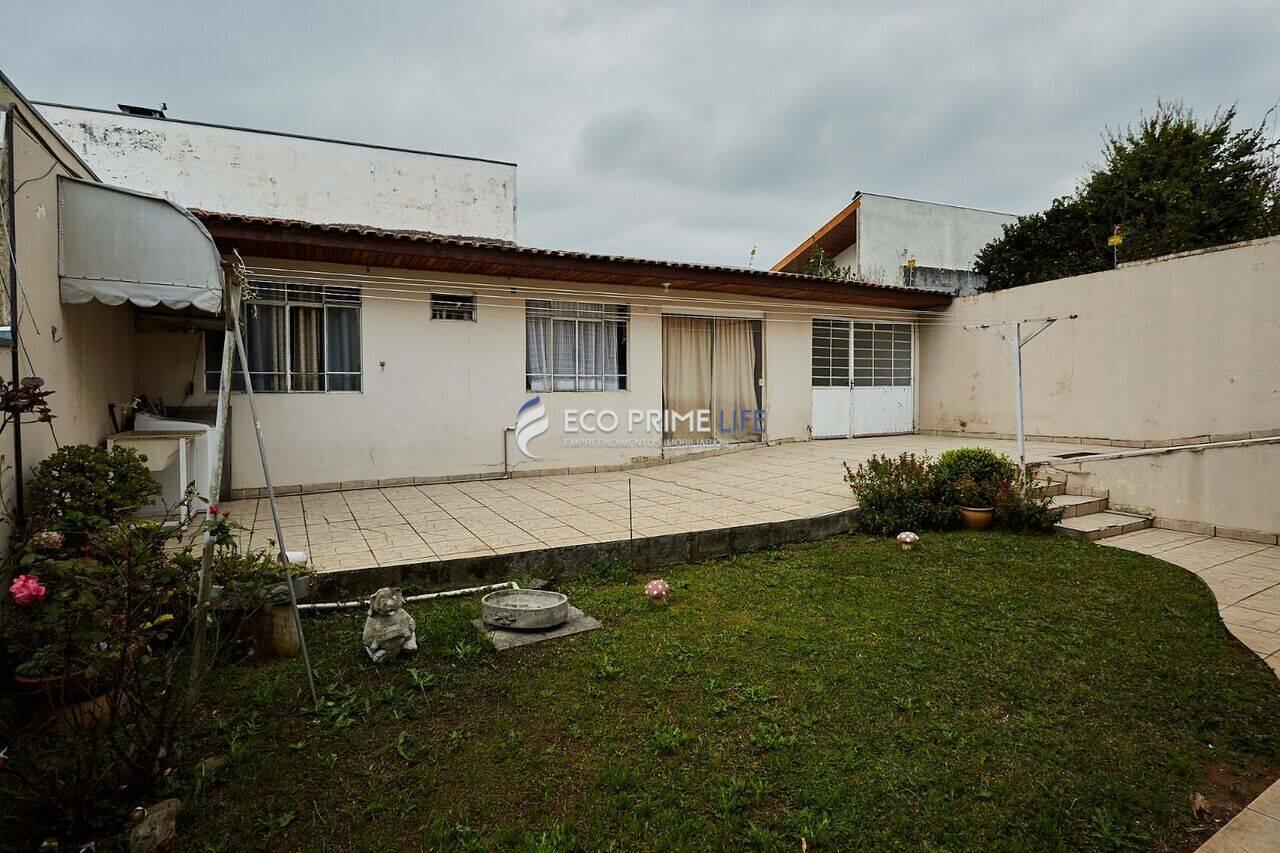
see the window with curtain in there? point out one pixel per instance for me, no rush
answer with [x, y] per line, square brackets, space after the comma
[299, 338]
[575, 346]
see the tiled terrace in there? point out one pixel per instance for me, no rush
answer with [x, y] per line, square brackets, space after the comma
[415, 524]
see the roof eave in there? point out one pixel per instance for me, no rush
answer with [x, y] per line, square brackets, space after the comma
[314, 243]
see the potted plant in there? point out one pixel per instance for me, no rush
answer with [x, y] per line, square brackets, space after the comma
[252, 597]
[976, 507]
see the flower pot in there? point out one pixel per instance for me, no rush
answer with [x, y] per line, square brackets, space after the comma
[977, 518]
[70, 701]
[273, 633]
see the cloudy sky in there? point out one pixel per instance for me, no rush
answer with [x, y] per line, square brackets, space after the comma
[683, 130]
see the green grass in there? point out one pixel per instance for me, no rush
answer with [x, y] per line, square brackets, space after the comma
[981, 691]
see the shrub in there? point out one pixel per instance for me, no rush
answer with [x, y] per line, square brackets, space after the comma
[87, 482]
[974, 476]
[1021, 507]
[899, 494]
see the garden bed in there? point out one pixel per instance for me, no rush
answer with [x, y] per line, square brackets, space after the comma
[979, 691]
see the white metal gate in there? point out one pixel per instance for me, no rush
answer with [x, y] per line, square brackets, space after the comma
[862, 378]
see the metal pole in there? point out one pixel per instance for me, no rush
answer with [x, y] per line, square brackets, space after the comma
[20, 514]
[271, 498]
[1016, 341]
[218, 451]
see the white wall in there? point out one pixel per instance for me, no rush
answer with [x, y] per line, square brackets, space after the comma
[893, 230]
[85, 353]
[438, 394]
[264, 174]
[1162, 350]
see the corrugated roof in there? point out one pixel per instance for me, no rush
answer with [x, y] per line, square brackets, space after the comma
[508, 247]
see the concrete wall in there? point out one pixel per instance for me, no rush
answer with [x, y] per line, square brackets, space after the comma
[438, 394]
[893, 230]
[1161, 351]
[231, 170]
[1229, 490]
[85, 353]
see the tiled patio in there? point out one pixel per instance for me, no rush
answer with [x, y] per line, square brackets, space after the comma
[414, 524]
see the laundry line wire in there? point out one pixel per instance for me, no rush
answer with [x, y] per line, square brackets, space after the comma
[778, 313]
[792, 317]
[305, 276]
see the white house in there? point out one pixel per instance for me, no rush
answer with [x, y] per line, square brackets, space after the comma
[396, 330]
[890, 240]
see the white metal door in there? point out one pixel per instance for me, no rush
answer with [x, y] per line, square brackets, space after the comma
[832, 414]
[862, 378]
[882, 380]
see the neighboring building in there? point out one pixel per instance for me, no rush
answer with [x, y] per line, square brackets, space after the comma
[283, 175]
[897, 241]
[395, 329]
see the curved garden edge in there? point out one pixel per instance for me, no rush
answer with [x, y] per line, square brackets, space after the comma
[1010, 687]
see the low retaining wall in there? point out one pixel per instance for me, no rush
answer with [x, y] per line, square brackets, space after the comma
[1225, 490]
[565, 562]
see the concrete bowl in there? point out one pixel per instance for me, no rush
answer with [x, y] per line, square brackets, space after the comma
[525, 609]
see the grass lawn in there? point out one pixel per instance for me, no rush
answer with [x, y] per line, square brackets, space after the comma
[981, 691]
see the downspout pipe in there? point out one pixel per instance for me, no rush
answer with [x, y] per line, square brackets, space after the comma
[11, 114]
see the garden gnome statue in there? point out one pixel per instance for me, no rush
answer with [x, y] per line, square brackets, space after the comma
[389, 630]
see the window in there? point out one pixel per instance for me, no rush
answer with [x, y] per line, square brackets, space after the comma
[452, 306]
[830, 353]
[300, 338]
[881, 355]
[575, 346]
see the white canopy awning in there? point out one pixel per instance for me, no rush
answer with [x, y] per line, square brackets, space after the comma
[117, 245]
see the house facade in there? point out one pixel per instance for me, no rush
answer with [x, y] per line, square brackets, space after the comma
[901, 241]
[399, 334]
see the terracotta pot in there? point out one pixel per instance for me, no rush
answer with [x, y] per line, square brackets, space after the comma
[977, 518]
[72, 701]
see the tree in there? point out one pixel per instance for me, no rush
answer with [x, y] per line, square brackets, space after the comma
[821, 265]
[1170, 184]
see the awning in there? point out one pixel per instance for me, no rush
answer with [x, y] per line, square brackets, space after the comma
[117, 245]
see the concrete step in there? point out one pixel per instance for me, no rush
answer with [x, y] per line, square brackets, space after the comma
[1075, 505]
[1049, 488]
[1101, 525]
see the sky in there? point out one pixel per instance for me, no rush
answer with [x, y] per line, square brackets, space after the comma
[680, 130]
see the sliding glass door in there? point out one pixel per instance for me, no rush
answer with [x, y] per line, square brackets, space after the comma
[711, 371]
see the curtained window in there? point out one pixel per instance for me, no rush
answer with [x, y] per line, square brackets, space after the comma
[575, 346]
[299, 338]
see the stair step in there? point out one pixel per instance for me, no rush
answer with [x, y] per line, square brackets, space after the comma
[1077, 505]
[1101, 525]
[1049, 489]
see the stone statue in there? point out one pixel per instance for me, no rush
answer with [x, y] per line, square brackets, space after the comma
[389, 630]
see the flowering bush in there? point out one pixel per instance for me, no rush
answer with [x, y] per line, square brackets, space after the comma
[972, 476]
[27, 590]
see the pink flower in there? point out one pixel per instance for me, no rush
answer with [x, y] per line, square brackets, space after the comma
[657, 590]
[27, 590]
[213, 509]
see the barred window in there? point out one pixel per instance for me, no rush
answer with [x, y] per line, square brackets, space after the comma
[452, 306]
[830, 353]
[300, 338]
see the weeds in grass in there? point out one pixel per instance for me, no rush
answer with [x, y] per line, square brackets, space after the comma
[607, 668]
[466, 652]
[666, 738]
[757, 695]
[557, 839]
[768, 736]
[736, 796]
[510, 746]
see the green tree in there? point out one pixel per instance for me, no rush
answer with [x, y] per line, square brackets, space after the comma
[821, 265]
[1170, 184]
